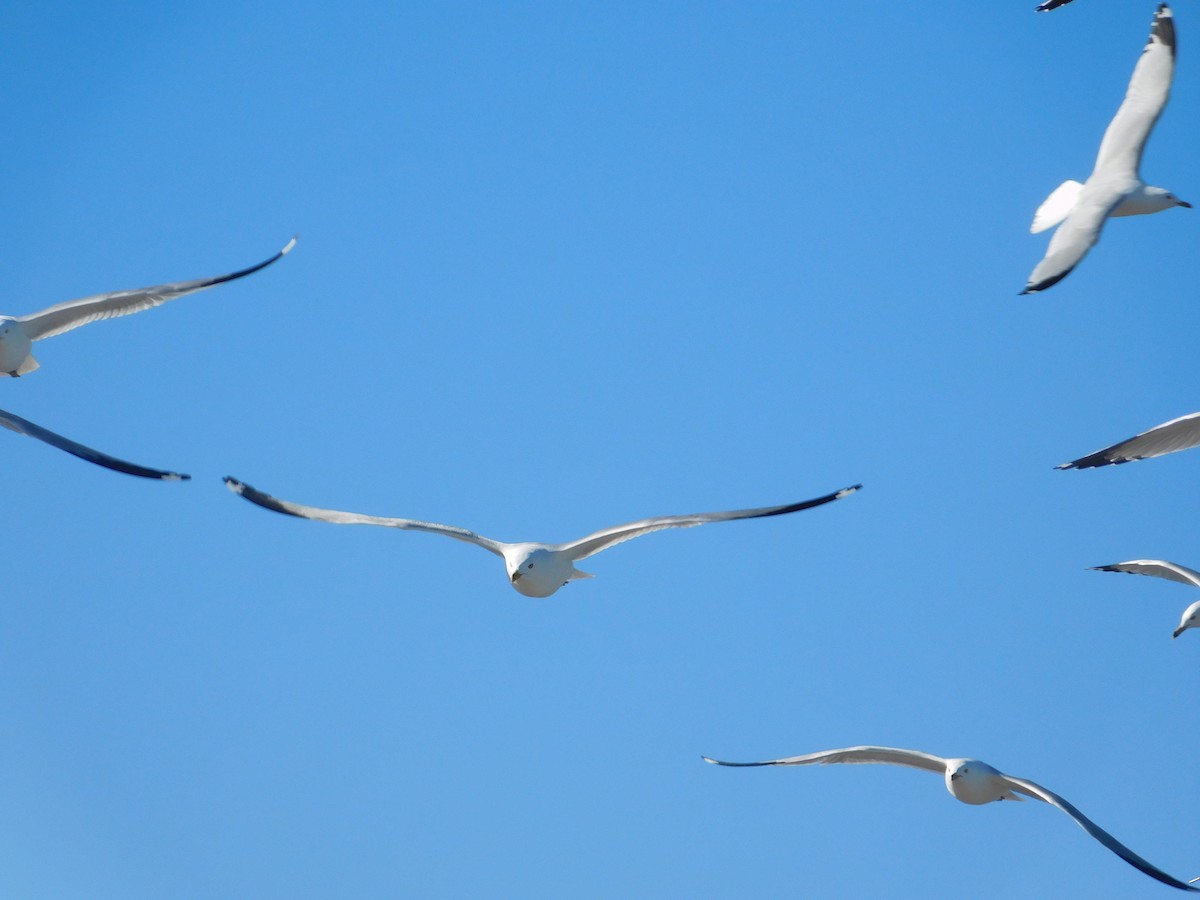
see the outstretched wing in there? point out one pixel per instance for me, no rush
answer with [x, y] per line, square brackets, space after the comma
[1121, 150]
[602, 540]
[1158, 567]
[67, 316]
[886, 755]
[266, 501]
[24, 426]
[1178, 434]
[1075, 236]
[1038, 792]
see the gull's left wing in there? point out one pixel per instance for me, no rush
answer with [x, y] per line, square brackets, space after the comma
[1075, 236]
[24, 426]
[1157, 567]
[1037, 792]
[894, 756]
[1123, 143]
[70, 315]
[602, 540]
[1178, 434]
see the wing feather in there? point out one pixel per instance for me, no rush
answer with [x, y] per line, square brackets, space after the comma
[1156, 567]
[885, 755]
[602, 540]
[337, 517]
[1075, 236]
[24, 426]
[1178, 434]
[1038, 792]
[1125, 139]
[67, 316]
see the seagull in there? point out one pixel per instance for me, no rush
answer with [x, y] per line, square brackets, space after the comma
[24, 426]
[1052, 4]
[1178, 434]
[1114, 188]
[17, 333]
[973, 782]
[1163, 569]
[535, 570]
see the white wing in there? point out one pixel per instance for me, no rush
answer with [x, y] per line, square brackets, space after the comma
[1076, 236]
[266, 501]
[1178, 434]
[1158, 567]
[1149, 88]
[66, 316]
[887, 755]
[602, 540]
[1038, 792]
[24, 426]
[1056, 207]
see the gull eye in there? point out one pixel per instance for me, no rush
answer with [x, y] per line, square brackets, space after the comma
[530, 566]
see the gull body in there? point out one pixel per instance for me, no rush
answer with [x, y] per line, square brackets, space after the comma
[534, 569]
[973, 782]
[15, 423]
[1160, 568]
[18, 333]
[1178, 434]
[1115, 187]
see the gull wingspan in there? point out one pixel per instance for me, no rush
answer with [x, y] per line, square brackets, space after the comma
[1038, 792]
[1149, 88]
[337, 517]
[1157, 567]
[1075, 236]
[64, 317]
[24, 426]
[602, 540]
[886, 755]
[1178, 434]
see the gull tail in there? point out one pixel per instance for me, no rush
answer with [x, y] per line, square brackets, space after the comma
[1056, 207]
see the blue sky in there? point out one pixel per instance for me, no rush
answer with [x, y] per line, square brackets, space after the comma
[562, 266]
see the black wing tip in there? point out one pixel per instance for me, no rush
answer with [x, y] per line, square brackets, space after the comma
[721, 762]
[1032, 288]
[233, 484]
[177, 476]
[1097, 460]
[1163, 27]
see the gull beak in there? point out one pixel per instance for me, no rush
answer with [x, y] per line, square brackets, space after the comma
[1185, 204]
[516, 576]
[1178, 631]
[954, 776]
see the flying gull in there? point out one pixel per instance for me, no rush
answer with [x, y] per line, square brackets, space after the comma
[17, 333]
[1052, 4]
[973, 782]
[24, 426]
[1114, 188]
[535, 570]
[1178, 434]
[1163, 569]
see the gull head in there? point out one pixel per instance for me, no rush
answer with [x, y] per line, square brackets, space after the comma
[15, 345]
[1191, 619]
[1158, 199]
[975, 782]
[537, 571]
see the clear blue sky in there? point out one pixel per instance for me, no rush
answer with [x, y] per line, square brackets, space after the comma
[562, 266]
